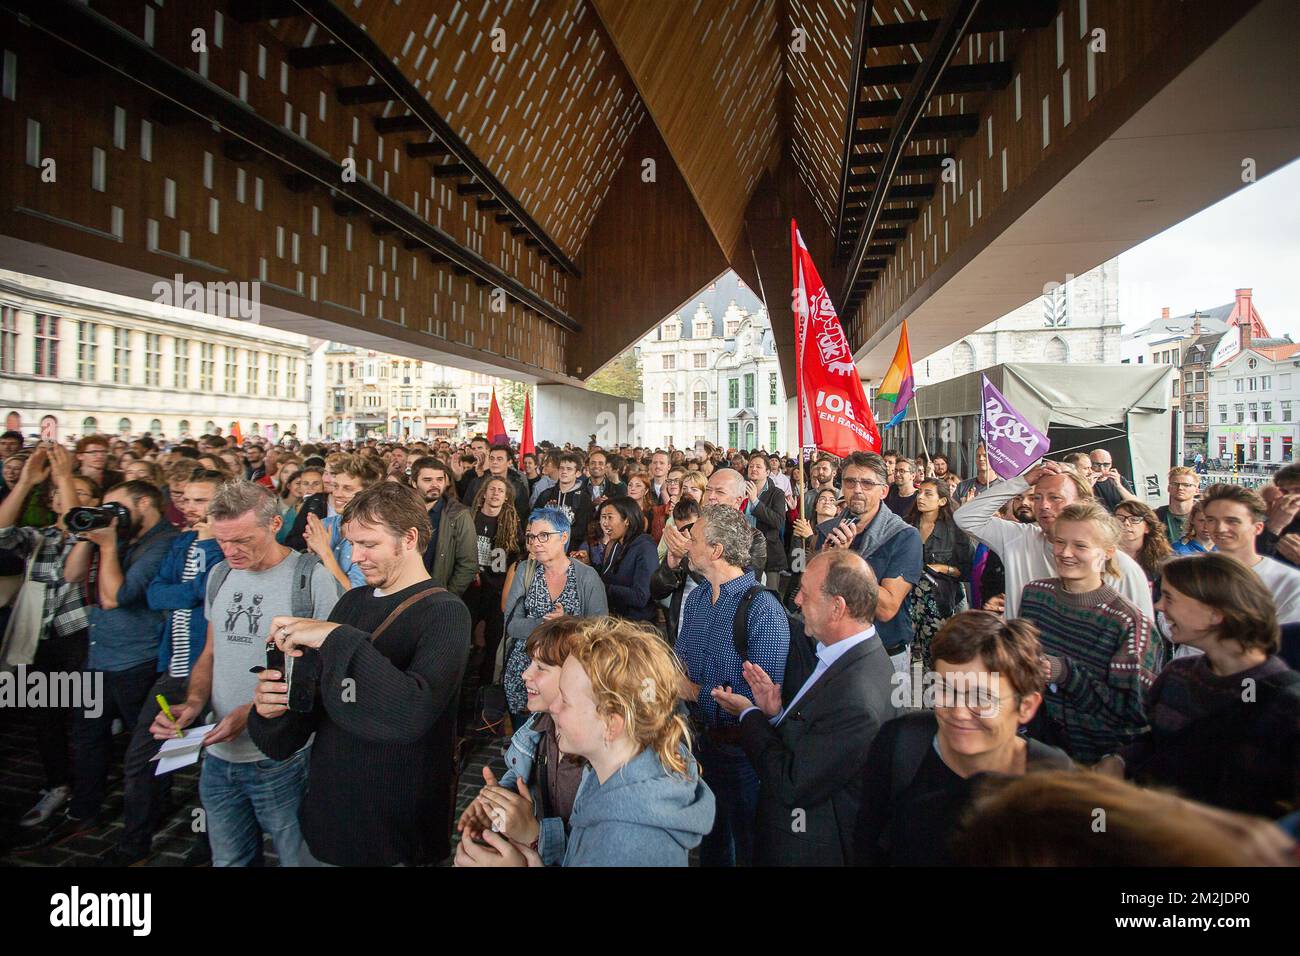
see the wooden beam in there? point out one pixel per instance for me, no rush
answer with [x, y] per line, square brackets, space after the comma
[928, 127]
[972, 78]
[435, 148]
[406, 123]
[368, 93]
[471, 189]
[447, 170]
[322, 54]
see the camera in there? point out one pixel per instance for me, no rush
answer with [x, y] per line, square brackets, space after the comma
[80, 520]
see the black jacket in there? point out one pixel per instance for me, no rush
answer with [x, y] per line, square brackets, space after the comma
[577, 505]
[769, 513]
[811, 763]
[948, 544]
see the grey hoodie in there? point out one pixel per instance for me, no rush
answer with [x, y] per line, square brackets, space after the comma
[643, 815]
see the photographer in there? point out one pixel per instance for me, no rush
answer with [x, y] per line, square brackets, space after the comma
[391, 658]
[54, 630]
[126, 553]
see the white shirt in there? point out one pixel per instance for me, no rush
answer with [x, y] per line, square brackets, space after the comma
[1284, 581]
[827, 655]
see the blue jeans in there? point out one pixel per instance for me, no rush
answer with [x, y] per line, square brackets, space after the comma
[244, 799]
[734, 783]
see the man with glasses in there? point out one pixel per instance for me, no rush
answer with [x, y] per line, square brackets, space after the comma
[891, 546]
[92, 458]
[1108, 485]
[903, 494]
[1183, 483]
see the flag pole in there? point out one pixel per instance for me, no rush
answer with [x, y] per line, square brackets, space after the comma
[920, 430]
[798, 372]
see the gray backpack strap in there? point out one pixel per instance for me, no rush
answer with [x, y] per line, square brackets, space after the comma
[302, 600]
[217, 577]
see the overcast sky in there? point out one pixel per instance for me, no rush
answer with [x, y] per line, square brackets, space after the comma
[1249, 240]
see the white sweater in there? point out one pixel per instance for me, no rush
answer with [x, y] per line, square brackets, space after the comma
[1027, 554]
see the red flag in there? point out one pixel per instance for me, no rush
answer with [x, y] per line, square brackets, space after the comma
[236, 433]
[833, 411]
[526, 446]
[496, 425]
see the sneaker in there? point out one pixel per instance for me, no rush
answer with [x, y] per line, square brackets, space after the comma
[50, 801]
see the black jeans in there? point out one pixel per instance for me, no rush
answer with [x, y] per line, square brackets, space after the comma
[57, 655]
[92, 737]
[145, 795]
[484, 602]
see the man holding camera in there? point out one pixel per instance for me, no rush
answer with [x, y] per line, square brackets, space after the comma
[177, 590]
[117, 557]
[243, 791]
[391, 658]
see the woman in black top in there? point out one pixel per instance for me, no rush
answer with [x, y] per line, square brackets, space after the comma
[947, 564]
[629, 560]
[922, 770]
[496, 526]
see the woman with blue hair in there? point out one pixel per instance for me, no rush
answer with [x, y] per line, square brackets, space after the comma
[546, 585]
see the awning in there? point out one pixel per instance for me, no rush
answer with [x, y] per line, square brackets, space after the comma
[430, 422]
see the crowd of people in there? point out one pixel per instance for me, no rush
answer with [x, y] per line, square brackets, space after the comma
[692, 662]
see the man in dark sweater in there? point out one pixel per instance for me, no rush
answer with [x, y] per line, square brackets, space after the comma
[390, 661]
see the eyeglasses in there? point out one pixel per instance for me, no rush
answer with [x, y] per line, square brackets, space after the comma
[686, 528]
[861, 483]
[1131, 521]
[540, 538]
[1100, 465]
[1181, 484]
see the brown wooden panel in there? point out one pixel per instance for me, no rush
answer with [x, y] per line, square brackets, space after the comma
[709, 73]
[650, 249]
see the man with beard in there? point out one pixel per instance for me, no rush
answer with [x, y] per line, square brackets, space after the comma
[823, 478]
[391, 655]
[451, 557]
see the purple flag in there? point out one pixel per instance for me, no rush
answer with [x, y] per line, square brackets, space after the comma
[1013, 444]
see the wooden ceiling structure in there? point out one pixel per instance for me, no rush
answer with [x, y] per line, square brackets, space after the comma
[540, 182]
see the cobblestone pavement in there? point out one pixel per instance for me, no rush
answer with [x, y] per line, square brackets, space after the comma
[21, 779]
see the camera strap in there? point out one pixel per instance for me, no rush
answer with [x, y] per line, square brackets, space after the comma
[397, 611]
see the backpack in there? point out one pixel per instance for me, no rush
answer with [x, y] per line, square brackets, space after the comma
[303, 604]
[802, 656]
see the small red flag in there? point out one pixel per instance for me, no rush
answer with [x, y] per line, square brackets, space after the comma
[526, 446]
[496, 425]
[236, 433]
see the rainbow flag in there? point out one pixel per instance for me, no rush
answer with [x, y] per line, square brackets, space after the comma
[898, 385]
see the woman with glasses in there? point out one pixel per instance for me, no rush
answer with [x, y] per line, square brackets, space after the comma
[1142, 537]
[924, 768]
[547, 585]
[496, 527]
[662, 514]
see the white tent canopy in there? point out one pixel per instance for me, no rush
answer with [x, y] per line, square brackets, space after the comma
[1131, 402]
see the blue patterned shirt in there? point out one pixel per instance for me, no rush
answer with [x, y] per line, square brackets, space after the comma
[708, 651]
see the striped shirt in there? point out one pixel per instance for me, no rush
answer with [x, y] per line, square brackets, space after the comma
[1105, 644]
[707, 648]
[180, 662]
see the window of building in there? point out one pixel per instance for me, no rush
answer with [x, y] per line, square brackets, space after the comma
[703, 328]
[733, 395]
[1223, 414]
[207, 367]
[670, 404]
[1267, 408]
[155, 427]
[1238, 385]
[771, 436]
[1286, 411]
[672, 331]
[670, 361]
[732, 327]
[1200, 413]
[1241, 412]
[771, 388]
[183, 427]
[1265, 382]
[8, 338]
[733, 434]
[1175, 384]
[1199, 384]
[701, 404]
[47, 346]
[232, 369]
[87, 350]
[1251, 383]
[1266, 449]
[1223, 447]
[152, 358]
[700, 360]
[121, 356]
[1253, 409]
[209, 427]
[272, 375]
[1288, 450]
[749, 390]
[89, 426]
[124, 426]
[1250, 450]
[181, 364]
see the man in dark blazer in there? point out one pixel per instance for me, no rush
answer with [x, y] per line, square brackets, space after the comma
[808, 740]
[765, 503]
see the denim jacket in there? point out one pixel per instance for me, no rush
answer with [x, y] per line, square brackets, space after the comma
[520, 758]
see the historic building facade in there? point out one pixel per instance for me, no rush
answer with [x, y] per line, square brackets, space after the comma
[1077, 321]
[710, 373]
[109, 364]
[374, 394]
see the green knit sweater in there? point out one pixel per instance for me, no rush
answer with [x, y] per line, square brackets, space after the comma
[1105, 645]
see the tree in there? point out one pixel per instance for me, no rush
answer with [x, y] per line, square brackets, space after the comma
[511, 397]
[621, 377]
